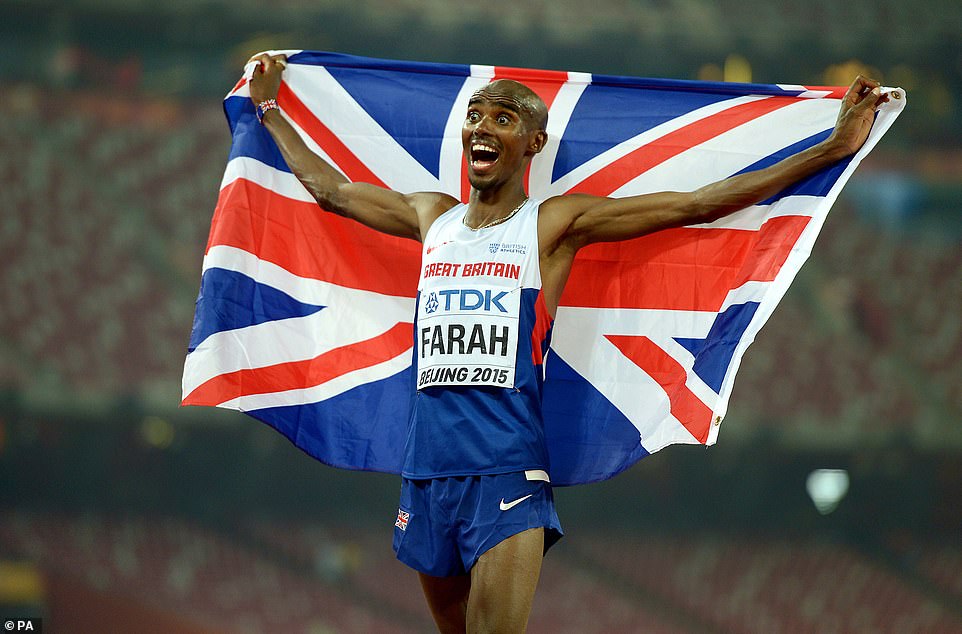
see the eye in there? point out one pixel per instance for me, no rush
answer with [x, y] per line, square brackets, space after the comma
[473, 116]
[504, 119]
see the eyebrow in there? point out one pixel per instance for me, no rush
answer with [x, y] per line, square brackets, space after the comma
[505, 102]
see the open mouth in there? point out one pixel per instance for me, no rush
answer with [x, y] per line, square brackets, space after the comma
[483, 155]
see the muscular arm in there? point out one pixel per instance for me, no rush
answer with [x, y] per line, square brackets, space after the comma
[580, 220]
[404, 215]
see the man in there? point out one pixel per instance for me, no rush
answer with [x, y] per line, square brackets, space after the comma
[475, 438]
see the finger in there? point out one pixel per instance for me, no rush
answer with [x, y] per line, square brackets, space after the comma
[873, 99]
[859, 88]
[260, 58]
[271, 63]
[279, 60]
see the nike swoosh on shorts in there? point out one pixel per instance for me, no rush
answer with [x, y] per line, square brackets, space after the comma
[510, 505]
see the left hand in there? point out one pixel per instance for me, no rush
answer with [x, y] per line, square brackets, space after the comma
[267, 76]
[856, 116]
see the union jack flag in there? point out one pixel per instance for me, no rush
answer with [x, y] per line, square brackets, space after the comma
[402, 519]
[304, 319]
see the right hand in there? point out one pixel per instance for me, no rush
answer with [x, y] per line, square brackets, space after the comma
[267, 76]
[856, 115]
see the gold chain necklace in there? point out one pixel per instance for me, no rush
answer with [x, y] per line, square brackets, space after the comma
[499, 220]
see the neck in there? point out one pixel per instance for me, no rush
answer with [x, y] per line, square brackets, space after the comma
[488, 208]
[494, 218]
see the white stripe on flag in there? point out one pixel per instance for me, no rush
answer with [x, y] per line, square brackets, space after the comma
[324, 391]
[752, 218]
[611, 155]
[734, 150]
[280, 182]
[351, 316]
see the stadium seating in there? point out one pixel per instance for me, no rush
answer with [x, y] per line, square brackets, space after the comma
[860, 344]
[936, 562]
[567, 599]
[103, 200]
[361, 559]
[311, 577]
[189, 571]
[771, 585]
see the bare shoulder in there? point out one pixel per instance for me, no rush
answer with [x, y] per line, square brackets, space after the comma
[569, 203]
[558, 214]
[429, 206]
[564, 209]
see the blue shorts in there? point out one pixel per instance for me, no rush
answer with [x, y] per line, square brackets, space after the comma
[445, 524]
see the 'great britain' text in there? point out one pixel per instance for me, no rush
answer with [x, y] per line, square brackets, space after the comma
[472, 269]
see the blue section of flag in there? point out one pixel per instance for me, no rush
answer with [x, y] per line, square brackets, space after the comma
[355, 430]
[612, 439]
[713, 355]
[230, 300]
[420, 129]
[250, 138]
[606, 116]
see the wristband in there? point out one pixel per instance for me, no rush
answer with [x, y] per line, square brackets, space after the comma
[262, 108]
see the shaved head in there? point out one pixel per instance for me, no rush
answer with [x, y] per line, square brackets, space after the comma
[517, 97]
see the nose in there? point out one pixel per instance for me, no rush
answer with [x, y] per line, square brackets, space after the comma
[481, 125]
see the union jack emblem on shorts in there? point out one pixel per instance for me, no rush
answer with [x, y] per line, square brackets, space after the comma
[402, 519]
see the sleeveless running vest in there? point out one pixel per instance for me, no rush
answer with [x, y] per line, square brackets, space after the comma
[480, 335]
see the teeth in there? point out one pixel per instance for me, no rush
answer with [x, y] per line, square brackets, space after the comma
[482, 147]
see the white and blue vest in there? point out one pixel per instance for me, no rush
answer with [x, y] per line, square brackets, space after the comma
[480, 336]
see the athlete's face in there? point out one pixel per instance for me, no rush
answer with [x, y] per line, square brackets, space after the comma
[500, 134]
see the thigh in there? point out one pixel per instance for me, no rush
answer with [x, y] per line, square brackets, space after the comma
[503, 583]
[447, 599]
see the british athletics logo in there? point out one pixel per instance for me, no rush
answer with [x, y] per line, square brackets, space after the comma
[304, 319]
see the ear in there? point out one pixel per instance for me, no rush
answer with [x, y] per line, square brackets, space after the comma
[538, 141]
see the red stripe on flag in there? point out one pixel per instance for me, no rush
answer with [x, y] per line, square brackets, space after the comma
[465, 183]
[355, 170]
[545, 83]
[690, 410]
[618, 173]
[531, 76]
[301, 238]
[680, 269]
[304, 374]
[240, 84]
[775, 241]
[542, 324]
